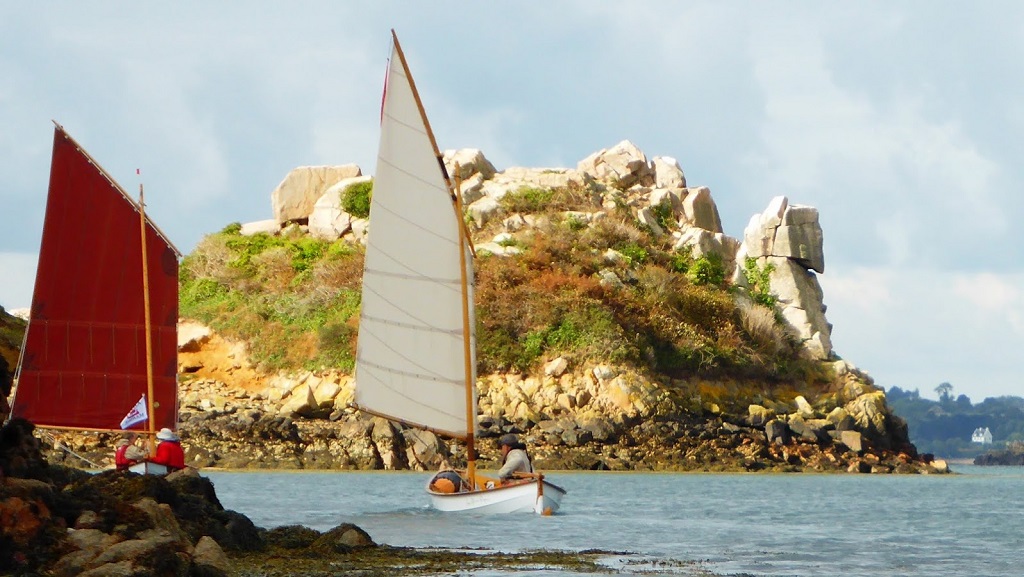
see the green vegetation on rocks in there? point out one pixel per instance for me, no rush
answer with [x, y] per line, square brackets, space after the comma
[12, 330]
[759, 281]
[292, 297]
[295, 298]
[532, 199]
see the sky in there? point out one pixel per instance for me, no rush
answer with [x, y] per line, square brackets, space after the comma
[901, 122]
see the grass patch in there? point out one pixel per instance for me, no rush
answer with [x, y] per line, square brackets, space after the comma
[292, 298]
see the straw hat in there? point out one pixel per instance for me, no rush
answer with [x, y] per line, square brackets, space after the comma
[166, 434]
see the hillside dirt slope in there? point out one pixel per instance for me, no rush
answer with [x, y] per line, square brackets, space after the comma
[223, 360]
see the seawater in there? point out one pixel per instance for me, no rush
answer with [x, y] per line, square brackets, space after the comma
[968, 524]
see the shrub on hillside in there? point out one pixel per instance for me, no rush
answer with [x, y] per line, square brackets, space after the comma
[355, 199]
[525, 317]
[663, 215]
[759, 281]
[761, 324]
[634, 253]
[707, 270]
[610, 232]
[527, 199]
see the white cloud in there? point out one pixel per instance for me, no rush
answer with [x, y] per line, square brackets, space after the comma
[868, 154]
[996, 298]
[917, 328]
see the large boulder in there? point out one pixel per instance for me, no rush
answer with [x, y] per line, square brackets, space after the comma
[623, 164]
[296, 195]
[788, 239]
[470, 161]
[327, 219]
[700, 210]
[667, 173]
[788, 231]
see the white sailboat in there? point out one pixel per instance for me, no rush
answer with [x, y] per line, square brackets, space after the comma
[416, 360]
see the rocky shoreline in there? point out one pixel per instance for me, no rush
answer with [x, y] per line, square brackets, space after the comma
[595, 418]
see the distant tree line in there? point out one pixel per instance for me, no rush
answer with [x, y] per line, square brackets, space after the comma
[944, 427]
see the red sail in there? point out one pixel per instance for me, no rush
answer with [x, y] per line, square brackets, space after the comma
[84, 360]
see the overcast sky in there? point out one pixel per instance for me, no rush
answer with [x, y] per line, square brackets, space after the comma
[903, 123]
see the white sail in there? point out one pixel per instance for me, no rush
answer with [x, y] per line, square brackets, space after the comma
[411, 357]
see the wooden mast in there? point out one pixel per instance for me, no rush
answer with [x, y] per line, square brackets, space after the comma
[149, 327]
[463, 244]
[466, 345]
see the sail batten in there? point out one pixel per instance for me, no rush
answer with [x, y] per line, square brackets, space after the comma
[83, 363]
[412, 355]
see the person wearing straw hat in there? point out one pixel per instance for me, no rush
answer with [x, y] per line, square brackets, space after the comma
[168, 451]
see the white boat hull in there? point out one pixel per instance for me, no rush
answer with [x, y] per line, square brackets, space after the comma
[508, 499]
[147, 468]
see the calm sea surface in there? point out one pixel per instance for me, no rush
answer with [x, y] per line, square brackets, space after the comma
[969, 524]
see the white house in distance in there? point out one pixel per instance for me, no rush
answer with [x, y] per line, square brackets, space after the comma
[983, 436]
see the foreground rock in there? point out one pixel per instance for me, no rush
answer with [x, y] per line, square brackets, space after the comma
[60, 521]
[67, 522]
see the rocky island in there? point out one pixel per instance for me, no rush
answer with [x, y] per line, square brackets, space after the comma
[619, 329]
[1012, 455]
[647, 339]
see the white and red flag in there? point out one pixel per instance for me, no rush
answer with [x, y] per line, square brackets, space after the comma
[137, 415]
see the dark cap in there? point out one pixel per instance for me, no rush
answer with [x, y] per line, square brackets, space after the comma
[509, 440]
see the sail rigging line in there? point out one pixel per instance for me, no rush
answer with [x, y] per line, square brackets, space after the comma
[416, 276]
[415, 327]
[450, 284]
[408, 397]
[57, 444]
[396, 306]
[429, 184]
[426, 376]
[427, 373]
[411, 127]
